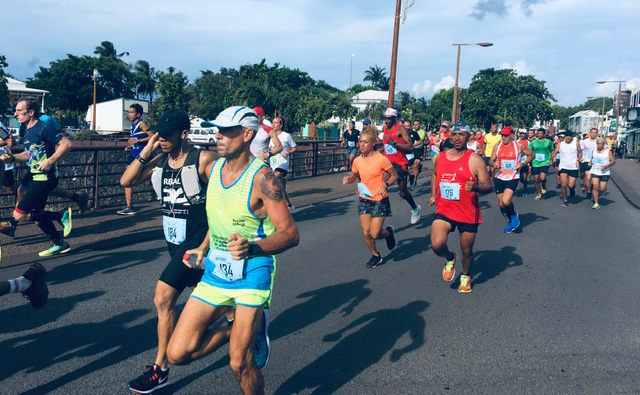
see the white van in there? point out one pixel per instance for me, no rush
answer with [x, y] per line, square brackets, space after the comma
[203, 135]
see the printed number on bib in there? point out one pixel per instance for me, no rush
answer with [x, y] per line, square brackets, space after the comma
[410, 156]
[274, 161]
[351, 144]
[390, 149]
[363, 190]
[523, 158]
[509, 164]
[450, 191]
[226, 267]
[540, 157]
[175, 229]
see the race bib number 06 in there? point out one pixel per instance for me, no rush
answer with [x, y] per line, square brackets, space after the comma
[450, 191]
[226, 267]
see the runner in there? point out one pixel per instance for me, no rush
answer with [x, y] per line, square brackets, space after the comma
[569, 154]
[43, 146]
[557, 140]
[370, 169]
[179, 176]
[525, 170]
[139, 136]
[444, 134]
[247, 225]
[396, 142]
[472, 143]
[542, 148]
[601, 162]
[8, 178]
[260, 144]
[506, 160]
[490, 140]
[280, 162]
[418, 150]
[479, 137]
[588, 145]
[350, 139]
[412, 168]
[456, 179]
[31, 284]
[434, 143]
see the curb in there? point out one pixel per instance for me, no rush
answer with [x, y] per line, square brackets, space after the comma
[632, 197]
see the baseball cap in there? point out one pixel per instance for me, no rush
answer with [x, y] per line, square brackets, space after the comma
[171, 121]
[391, 112]
[366, 121]
[507, 130]
[235, 116]
[258, 110]
[461, 126]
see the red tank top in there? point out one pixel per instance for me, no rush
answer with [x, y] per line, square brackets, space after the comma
[388, 137]
[508, 156]
[452, 200]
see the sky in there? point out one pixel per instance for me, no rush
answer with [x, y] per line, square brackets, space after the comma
[570, 44]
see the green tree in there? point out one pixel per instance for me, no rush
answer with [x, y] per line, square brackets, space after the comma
[439, 107]
[4, 91]
[378, 77]
[172, 92]
[145, 79]
[208, 95]
[357, 88]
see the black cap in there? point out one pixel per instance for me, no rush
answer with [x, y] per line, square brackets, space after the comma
[170, 122]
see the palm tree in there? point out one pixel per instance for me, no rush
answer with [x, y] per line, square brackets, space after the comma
[377, 76]
[106, 50]
[145, 79]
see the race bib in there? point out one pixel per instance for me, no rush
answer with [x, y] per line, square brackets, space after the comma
[541, 157]
[274, 161]
[351, 144]
[587, 155]
[226, 267]
[523, 158]
[598, 161]
[450, 191]
[175, 229]
[390, 149]
[363, 190]
[508, 164]
[410, 156]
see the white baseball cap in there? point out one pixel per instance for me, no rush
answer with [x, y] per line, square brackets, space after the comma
[391, 112]
[235, 116]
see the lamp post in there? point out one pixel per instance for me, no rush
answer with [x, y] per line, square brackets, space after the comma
[454, 113]
[351, 69]
[618, 101]
[93, 115]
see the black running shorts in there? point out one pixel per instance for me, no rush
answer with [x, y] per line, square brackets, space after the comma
[463, 227]
[500, 185]
[178, 275]
[36, 195]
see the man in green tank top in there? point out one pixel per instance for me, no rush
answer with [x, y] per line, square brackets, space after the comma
[542, 148]
[249, 222]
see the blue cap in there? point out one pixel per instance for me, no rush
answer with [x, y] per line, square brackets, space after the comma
[461, 126]
[366, 121]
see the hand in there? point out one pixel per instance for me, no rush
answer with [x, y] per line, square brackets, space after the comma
[132, 141]
[238, 246]
[432, 200]
[153, 142]
[468, 186]
[518, 165]
[6, 157]
[263, 156]
[285, 155]
[346, 180]
[199, 253]
[127, 148]
[44, 165]
[383, 191]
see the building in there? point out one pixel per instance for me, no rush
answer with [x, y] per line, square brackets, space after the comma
[111, 116]
[582, 121]
[18, 90]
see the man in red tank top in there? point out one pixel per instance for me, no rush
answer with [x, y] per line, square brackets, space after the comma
[458, 176]
[397, 142]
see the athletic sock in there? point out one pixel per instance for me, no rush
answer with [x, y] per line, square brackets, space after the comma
[544, 185]
[13, 222]
[510, 210]
[19, 284]
[572, 191]
[452, 256]
[38, 216]
[409, 199]
[46, 225]
[503, 210]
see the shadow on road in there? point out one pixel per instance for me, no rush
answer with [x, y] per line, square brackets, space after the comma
[323, 210]
[408, 248]
[321, 303]
[489, 264]
[527, 219]
[309, 191]
[377, 334]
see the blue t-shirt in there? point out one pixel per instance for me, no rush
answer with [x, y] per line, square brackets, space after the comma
[40, 142]
[138, 133]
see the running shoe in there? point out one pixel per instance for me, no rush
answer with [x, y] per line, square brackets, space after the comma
[56, 249]
[83, 202]
[391, 238]
[66, 221]
[465, 284]
[262, 348]
[415, 215]
[595, 206]
[565, 204]
[374, 261]
[38, 293]
[152, 379]
[514, 221]
[544, 191]
[538, 197]
[449, 270]
[7, 229]
[126, 211]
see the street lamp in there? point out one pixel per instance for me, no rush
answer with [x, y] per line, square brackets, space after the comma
[454, 115]
[618, 102]
[351, 69]
[93, 115]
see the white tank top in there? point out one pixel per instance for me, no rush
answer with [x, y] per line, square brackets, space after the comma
[588, 146]
[473, 147]
[568, 155]
[600, 159]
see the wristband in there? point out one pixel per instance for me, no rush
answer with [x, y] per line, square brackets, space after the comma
[386, 184]
[142, 160]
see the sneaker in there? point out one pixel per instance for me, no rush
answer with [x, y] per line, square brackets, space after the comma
[514, 222]
[152, 379]
[292, 209]
[415, 215]
[391, 239]
[374, 261]
[544, 191]
[83, 202]
[56, 249]
[262, 348]
[449, 270]
[126, 211]
[38, 293]
[508, 228]
[595, 206]
[465, 284]
[7, 229]
[66, 221]
[565, 204]
[538, 197]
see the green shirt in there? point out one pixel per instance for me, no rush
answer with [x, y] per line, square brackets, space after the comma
[421, 133]
[542, 152]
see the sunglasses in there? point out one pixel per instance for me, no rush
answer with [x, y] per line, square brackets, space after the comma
[444, 126]
[388, 117]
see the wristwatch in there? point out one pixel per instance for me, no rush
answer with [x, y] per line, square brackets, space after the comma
[254, 250]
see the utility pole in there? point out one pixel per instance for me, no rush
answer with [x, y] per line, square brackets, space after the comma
[93, 112]
[394, 54]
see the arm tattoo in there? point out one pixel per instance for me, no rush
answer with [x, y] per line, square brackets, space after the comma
[271, 187]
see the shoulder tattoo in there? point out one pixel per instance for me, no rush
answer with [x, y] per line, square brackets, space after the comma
[271, 187]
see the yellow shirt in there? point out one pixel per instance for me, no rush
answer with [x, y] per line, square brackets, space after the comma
[489, 142]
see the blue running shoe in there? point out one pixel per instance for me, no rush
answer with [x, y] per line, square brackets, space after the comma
[514, 222]
[262, 348]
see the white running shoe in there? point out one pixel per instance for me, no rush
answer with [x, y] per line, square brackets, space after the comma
[415, 215]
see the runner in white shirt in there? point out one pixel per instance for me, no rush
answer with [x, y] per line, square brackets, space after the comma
[601, 162]
[260, 144]
[280, 162]
[588, 145]
[570, 154]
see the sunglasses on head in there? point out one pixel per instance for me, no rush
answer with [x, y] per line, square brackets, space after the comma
[444, 126]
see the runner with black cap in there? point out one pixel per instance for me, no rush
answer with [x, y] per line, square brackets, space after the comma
[569, 154]
[179, 175]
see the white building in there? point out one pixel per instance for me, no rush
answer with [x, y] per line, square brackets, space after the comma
[111, 116]
[370, 96]
[582, 121]
[18, 90]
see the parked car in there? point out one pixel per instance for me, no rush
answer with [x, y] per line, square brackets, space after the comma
[203, 135]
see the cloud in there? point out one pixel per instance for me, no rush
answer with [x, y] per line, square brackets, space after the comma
[607, 90]
[421, 90]
[484, 7]
[445, 83]
[526, 6]
[520, 67]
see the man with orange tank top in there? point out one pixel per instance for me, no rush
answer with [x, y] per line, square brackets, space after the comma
[397, 142]
[458, 176]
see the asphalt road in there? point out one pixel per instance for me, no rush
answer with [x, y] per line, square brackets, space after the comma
[553, 310]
